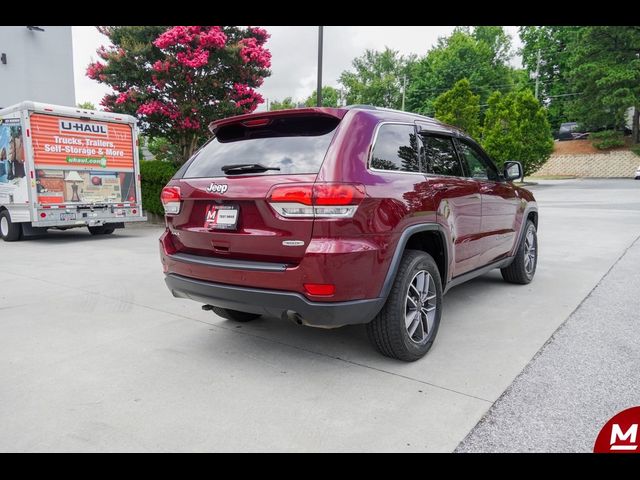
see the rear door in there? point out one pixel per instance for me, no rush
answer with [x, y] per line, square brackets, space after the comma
[226, 213]
[458, 199]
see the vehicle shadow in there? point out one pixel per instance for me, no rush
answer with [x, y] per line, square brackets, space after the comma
[349, 343]
[68, 236]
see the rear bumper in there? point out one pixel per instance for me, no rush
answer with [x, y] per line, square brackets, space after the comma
[275, 302]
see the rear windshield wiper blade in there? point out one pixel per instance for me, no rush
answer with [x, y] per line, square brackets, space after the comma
[246, 168]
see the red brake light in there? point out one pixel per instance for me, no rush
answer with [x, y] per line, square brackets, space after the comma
[170, 198]
[337, 194]
[320, 288]
[259, 122]
[292, 194]
[170, 194]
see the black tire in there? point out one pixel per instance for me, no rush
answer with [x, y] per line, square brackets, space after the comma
[387, 331]
[234, 315]
[9, 231]
[101, 230]
[520, 271]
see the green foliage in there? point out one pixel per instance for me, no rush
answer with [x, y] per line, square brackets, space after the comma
[163, 149]
[481, 56]
[516, 128]
[459, 107]
[605, 69]
[607, 139]
[87, 106]
[329, 97]
[154, 175]
[636, 149]
[555, 46]
[377, 79]
[285, 104]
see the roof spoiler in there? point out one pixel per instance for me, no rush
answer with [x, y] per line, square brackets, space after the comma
[331, 112]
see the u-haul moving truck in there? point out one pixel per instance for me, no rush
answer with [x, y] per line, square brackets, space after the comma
[65, 167]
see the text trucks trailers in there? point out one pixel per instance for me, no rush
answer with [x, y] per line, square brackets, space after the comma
[66, 167]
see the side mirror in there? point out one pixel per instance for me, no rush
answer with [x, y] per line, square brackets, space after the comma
[512, 171]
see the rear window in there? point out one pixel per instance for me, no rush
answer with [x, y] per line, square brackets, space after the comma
[293, 144]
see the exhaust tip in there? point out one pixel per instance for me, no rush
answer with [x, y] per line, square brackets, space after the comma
[293, 316]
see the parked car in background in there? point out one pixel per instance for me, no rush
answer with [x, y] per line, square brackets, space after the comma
[570, 131]
[337, 216]
[638, 173]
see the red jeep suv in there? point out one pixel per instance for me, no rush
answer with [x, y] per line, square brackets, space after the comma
[338, 216]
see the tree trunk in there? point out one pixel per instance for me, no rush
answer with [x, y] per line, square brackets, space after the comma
[636, 126]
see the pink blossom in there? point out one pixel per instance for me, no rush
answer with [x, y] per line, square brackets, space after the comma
[157, 107]
[260, 34]
[246, 97]
[214, 37]
[193, 58]
[190, 124]
[94, 70]
[158, 82]
[252, 51]
[173, 36]
[122, 98]
[160, 66]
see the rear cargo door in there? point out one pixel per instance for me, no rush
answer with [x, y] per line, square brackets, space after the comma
[224, 190]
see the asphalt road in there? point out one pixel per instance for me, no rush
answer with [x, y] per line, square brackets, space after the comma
[95, 354]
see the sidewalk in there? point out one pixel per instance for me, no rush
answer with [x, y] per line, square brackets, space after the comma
[587, 372]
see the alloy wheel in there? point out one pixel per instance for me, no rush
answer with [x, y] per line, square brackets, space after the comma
[420, 307]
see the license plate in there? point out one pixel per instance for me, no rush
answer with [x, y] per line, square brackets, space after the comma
[221, 217]
[67, 216]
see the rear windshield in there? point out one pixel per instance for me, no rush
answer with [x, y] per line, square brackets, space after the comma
[293, 144]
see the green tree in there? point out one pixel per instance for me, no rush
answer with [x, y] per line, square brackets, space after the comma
[480, 55]
[330, 97]
[178, 79]
[605, 69]
[285, 104]
[87, 106]
[377, 79]
[459, 107]
[555, 46]
[516, 128]
[163, 149]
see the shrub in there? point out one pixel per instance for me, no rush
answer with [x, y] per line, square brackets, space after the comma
[607, 139]
[636, 149]
[154, 175]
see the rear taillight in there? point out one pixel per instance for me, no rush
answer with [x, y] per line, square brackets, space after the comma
[170, 197]
[320, 200]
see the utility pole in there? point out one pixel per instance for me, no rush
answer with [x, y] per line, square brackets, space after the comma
[404, 89]
[319, 88]
[538, 75]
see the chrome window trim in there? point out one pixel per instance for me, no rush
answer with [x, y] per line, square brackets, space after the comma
[373, 144]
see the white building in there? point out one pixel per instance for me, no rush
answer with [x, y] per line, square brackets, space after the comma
[36, 63]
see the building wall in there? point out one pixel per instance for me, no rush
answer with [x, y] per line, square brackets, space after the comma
[39, 66]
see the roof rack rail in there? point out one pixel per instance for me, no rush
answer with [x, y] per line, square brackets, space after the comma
[362, 107]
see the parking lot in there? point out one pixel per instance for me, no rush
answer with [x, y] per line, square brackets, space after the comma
[96, 355]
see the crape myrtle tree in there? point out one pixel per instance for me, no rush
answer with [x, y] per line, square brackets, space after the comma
[177, 79]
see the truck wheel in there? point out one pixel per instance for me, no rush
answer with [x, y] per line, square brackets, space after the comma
[101, 230]
[523, 267]
[234, 315]
[408, 323]
[9, 231]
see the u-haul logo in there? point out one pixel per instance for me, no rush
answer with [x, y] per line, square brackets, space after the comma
[68, 126]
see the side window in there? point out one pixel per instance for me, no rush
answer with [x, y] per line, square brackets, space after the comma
[396, 148]
[477, 166]
[439, 156]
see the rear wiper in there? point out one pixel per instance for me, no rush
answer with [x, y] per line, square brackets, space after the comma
[238, 168]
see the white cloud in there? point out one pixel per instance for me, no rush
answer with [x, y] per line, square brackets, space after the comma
[294, 54]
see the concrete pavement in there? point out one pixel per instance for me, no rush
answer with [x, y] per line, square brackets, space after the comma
[97, 355]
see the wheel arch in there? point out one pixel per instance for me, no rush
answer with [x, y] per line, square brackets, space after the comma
[429, 237]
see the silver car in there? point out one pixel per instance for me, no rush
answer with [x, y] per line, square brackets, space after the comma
[638, 173]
